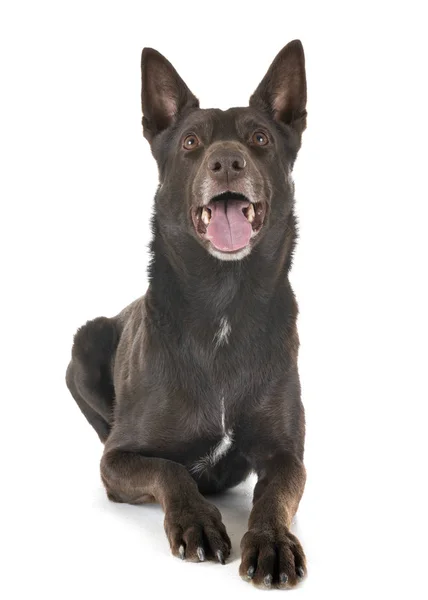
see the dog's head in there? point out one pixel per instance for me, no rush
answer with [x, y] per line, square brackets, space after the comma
[224, 175]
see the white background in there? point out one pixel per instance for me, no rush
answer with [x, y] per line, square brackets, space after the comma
[77, 182]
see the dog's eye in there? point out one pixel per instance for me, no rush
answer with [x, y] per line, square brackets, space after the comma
[260, 139]
[191, 141]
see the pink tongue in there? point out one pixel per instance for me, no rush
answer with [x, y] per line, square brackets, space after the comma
[229, 229]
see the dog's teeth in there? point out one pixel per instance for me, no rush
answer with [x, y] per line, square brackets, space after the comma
[250, 213]
[206, 215]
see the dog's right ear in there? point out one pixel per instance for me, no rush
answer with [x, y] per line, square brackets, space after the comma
[164, 95]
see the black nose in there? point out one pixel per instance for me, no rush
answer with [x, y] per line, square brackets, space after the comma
[226, 163]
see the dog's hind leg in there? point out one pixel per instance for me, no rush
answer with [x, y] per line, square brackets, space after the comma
[89, 374]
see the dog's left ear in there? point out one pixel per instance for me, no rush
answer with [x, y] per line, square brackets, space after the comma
[164, 95]
[282, 91]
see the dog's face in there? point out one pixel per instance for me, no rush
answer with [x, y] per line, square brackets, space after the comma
[224, 175]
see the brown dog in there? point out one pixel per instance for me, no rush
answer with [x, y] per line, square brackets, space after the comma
[195, 385]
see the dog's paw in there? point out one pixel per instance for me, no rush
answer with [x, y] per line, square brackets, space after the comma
[196, 533]
[272, 558]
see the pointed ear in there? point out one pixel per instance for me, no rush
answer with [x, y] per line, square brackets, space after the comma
[163, 93]
[282, 92]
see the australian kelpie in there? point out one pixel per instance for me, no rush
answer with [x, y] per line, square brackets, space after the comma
[195, 385]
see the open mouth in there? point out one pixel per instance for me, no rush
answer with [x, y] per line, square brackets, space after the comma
[229, 221]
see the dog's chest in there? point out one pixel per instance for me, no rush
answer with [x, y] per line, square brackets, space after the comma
[218, 450]
[228, 381]
[207, 383]
[222, 333]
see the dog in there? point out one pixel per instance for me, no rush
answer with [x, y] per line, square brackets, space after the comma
[195, 385]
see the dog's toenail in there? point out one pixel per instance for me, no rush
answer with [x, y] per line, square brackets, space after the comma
[268, 580]
[220, 557]
[300, 572]
[201, 554]
[181, 552]
[283, 578]
[250, 572]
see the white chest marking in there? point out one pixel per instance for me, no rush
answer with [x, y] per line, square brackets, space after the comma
[219, 450]
[222, 335]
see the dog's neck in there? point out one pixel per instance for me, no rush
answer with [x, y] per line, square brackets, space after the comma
[186, 280]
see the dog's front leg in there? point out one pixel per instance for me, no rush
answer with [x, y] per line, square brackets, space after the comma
[271, 554]
[193, 525]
